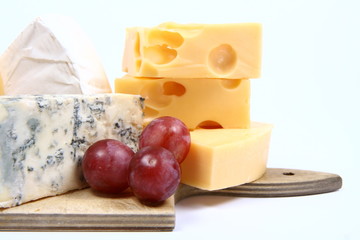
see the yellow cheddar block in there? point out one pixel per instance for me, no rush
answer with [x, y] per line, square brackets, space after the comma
[222, 158]
[202, 102]
[194, 51]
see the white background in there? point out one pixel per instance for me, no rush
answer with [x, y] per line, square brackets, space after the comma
[309, 90]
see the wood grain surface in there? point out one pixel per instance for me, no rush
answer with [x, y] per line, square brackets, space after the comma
[276, 182]
[85, 210]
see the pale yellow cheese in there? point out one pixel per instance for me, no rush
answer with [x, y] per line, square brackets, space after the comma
[1, 86]
[194, 51]
[197, 102]
[222, 158]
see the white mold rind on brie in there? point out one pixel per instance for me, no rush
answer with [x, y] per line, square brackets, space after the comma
[52, 55]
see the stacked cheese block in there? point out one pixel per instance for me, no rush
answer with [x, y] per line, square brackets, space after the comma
[200, 73]
[58, 102]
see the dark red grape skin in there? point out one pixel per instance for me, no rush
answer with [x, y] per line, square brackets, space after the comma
[154, 174]
[167, 132]
[105, 166]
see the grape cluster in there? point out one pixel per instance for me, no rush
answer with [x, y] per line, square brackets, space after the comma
[153, 173]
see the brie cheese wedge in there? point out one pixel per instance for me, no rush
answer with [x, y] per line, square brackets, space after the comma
[52, 56]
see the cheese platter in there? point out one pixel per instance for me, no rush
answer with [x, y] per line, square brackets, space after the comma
[87, 210]
[77, 156]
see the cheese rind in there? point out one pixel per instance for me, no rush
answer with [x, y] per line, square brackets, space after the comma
[44, 138]
[222, 158]
[194, 51]
[197, 102]
[53, 55]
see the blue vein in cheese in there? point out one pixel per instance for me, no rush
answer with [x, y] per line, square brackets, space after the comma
[43, 139]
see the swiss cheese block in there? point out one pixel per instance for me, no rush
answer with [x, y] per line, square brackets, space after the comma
[194, 51]
[222, 158]
[44, 137]
[53, 55]
[197, 102]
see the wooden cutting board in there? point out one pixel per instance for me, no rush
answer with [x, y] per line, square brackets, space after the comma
[85, 210]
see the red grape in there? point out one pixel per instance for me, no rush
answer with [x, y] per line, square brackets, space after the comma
[106, 165]
[167, 132]
[154, 174]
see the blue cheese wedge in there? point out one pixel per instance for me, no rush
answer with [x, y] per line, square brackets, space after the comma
[53, 55]
[44, 137]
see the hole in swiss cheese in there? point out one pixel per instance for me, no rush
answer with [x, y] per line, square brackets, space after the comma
[170, 38]
[173, 88]
[209, 125]
[160, 54]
